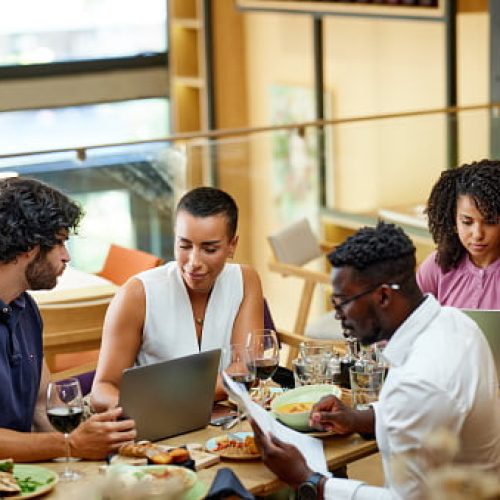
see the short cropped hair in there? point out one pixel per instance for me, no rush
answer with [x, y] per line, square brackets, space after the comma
[479, 180]
[380, 254]
[208, 201]
[31, 214]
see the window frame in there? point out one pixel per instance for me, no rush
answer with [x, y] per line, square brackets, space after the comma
[147, 60]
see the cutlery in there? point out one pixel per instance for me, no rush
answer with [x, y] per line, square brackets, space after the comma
[232, 423]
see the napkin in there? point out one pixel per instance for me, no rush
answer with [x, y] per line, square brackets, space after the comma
[227, 484]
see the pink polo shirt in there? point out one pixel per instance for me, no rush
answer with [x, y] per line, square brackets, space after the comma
[467, 286]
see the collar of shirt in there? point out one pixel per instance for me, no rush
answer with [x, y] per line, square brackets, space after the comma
[479, 271]
[6, 309]
[399, 346]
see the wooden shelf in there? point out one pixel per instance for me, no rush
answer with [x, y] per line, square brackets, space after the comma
[189, 81]
[187, 65]
[346, 8]
[187, 23]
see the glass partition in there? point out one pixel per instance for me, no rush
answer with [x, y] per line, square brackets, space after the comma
[368, 169]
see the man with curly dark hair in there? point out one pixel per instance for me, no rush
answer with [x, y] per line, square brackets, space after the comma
[464, 220]
[35, 222]
[442, 374]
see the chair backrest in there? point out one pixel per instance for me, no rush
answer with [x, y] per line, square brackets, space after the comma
[121, 263]
[72, 327]
[295, 244]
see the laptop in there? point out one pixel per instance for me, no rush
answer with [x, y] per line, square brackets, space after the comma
[489, 322]
[170, 397]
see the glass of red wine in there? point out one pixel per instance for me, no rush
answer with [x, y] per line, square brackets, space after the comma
[65, 411]
[239, 366]
[264, 348]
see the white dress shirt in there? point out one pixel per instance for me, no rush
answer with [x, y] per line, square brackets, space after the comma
[442, 375]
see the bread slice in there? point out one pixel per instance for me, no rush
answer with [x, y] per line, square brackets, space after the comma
[8, 484]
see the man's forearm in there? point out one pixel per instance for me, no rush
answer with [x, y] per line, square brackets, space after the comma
[31, 446]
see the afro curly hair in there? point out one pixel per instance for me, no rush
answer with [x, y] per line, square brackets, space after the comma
[479, 180]
[379, 254]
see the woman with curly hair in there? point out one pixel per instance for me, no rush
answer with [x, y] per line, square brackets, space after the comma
[464, 220]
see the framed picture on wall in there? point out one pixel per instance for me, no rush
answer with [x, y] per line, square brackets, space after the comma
[385, 8]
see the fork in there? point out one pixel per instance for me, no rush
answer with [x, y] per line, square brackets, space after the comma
[232, 423]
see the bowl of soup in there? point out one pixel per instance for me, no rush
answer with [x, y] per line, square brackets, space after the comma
[293, 407]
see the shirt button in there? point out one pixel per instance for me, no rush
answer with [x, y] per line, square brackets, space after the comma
[5, 310]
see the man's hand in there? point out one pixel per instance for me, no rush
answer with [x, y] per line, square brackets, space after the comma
[283, 459]
[331, 414]
[101, 435]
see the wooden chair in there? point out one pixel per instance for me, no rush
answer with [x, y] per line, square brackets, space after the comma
[293, 248]
[70, 331]
[121, 263]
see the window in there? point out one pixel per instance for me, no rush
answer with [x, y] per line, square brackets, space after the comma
[46, 129]
[54, 31]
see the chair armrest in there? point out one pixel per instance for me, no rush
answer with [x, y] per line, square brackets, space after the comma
[290, 339]
[327, 246]
[300, 272]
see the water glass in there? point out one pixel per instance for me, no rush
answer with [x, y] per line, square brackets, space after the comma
[303, 372]
[365, 385]
[314, 365]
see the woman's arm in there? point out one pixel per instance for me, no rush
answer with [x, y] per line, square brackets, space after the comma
[250, 315]
[121, 340]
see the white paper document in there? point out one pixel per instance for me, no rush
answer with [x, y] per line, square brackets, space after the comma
[310, 447]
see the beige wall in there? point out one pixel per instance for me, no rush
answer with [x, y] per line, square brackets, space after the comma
[371, 67]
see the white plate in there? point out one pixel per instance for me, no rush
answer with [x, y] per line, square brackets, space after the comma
[212, 444]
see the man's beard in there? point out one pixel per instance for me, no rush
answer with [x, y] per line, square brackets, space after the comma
[376, 336]
[40, 275]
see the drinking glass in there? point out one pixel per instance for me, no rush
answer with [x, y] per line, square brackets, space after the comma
[366, 383]
[264, 349]
[240, 367]
[65, 411]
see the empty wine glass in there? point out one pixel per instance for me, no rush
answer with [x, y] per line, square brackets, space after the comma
[65, 411]
[264, 348]
[239, 365]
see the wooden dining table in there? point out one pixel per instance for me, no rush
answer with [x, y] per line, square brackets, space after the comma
[255, 476]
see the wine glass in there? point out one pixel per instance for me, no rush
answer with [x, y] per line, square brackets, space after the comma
[65, 411]
[240, 367]
[264, 348]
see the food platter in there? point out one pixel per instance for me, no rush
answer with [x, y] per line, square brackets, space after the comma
[46, 478]
[234, 446]
[298, 403]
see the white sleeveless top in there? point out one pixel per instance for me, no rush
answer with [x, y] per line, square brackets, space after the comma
[169, 329]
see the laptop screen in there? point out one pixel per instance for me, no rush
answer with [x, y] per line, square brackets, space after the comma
[171, 397]
[489, 322]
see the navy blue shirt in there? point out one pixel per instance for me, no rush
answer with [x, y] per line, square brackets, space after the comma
[21, 355]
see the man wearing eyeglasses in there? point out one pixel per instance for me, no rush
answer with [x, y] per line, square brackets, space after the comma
[441, 375]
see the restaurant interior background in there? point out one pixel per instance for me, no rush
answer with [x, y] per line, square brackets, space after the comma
[110, 119]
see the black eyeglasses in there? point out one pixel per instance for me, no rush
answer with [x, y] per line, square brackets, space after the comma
[338, 303]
